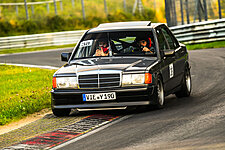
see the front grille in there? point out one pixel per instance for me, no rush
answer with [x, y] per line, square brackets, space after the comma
[99, 80]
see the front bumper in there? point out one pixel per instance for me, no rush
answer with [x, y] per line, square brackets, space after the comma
[125, 96]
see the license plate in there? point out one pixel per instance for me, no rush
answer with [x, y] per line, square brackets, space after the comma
[99, 96]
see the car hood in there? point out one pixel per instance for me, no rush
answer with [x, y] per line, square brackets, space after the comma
[124, 64]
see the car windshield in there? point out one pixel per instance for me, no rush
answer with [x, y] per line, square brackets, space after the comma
[116, 44]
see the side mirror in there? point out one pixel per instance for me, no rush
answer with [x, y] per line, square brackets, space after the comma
[65, 56]
[169, 53]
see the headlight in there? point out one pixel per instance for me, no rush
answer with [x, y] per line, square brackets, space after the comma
[138, 78]
[126, 79]
[65, 82]
[133, 79]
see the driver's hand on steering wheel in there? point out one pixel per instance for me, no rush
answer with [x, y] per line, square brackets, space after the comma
[145, 49]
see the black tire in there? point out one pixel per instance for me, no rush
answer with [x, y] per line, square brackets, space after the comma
[186, 85]
[61, 112]
[158, 96]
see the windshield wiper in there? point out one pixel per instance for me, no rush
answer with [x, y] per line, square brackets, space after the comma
[145, 55]
[75, 63]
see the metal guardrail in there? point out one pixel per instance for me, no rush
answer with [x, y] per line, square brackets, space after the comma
[188, 34]
[38, 40]
[201, 32]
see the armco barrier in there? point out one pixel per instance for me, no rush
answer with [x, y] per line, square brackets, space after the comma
[38, 40]
[202, 32]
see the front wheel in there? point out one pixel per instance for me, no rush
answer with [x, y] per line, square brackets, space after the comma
[186, 86]
[158, 97]
[61, 112]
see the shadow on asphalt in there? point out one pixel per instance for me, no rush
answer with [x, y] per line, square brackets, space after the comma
[171, 103]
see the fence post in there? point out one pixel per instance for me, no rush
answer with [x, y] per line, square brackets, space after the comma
[140, 7]
[205, 10]
[61, 6]
[124, 5]
[187, 12]
[105, 6]
[55, 8]
[72, 1]
[47, 5]
[196, 10]
[26, 9]
[220, 14]
[167, 13]
[32, 9]
[83, 11]
[135, 6]
[154, 4]
[17, 10]
[174, 13]
[181, 11]
[199, 10]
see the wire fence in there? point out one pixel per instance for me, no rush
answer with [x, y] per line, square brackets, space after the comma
[30, 8]
[179, 12]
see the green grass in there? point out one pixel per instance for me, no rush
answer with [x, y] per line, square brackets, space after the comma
[23, 91]
[218, 44]
[19, 50]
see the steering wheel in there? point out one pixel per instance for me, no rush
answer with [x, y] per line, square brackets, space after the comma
[124, 44]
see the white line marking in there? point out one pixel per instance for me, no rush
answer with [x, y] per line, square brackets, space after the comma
[31, 66]
[92, 132]
[39, 51]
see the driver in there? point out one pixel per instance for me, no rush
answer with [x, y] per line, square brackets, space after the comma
[144, 45]
[103, 49]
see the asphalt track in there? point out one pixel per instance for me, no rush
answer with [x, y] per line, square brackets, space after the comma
[197, 122]
[46, 58]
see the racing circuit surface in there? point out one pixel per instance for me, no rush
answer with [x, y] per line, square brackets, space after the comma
[196, 122]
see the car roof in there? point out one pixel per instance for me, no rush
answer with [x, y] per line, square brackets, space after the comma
[117, 26]
[125, 24]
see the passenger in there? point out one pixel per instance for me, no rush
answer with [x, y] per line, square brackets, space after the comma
[144, 45]
[103, 49]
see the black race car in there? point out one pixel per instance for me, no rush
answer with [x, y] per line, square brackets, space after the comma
[120, 65]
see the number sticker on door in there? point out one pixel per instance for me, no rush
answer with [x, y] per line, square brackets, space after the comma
[171, 70]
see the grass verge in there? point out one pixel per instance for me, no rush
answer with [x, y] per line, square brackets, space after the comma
[20, 50]
[23, 91]
[217, 44]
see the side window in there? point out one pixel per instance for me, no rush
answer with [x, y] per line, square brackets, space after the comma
[161, 40]
[171, 40]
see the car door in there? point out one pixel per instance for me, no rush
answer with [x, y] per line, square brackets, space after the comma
[167, 63]
[179, 63]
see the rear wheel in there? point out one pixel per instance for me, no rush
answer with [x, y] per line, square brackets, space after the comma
[61, 112]
[186, 86]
